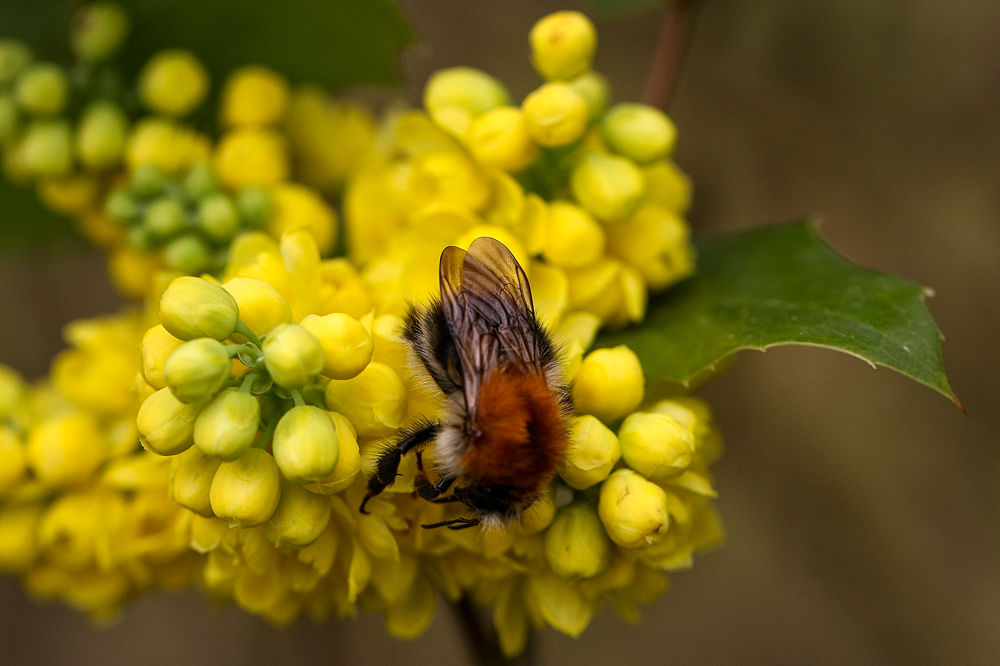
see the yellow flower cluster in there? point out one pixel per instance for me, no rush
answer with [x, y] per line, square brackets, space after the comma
[84, 516]
[267, 386]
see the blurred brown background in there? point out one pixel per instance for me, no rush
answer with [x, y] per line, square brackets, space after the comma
[863, 511]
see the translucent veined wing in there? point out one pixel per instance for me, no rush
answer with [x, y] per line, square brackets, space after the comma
[487, 303]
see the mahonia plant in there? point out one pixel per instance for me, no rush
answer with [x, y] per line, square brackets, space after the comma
[222, 431]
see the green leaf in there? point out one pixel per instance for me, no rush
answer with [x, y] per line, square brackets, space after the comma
[25, 220]
[783, 286]
[332, 42]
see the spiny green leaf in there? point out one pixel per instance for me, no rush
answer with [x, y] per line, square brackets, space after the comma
[783, 286]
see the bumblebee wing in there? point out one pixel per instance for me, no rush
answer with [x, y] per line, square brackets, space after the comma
[487, 303]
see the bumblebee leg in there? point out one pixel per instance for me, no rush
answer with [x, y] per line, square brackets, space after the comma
[433, 492]
[455, 523]
[387, 465]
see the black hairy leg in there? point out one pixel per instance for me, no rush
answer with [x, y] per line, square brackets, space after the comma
[387, 465]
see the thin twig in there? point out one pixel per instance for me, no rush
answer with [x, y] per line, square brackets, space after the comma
[481, 641]
[671, 46]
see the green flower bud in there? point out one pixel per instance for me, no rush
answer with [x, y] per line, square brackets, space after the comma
[191, 480]
[456, 96]
[98, 30]
[246, 491]
[656, 243]
[66, 450]
[262, 307]
[292, 355]
[165, 424]
[156, 347]
[140, 239]
[9, 117]
[347, 345]
[19, 536]
[13, 461]
[200, 182]
[255, 206]
[633, 510]
[592, 454]
[121, 207]
[14, 59]
[576, 545]
[374, 401]
[173, 82]
[197, 370]
[192, 307]
[639, 131]
[187, 254]
[563, 45]
[165, 217]
[608, 186]
[499, 138]
[305, 444]
[575, 239]
[655, 445]
[47, 148]
[348, 460]
[217, 216]
[42, 89]
[100, 137]
[147, 181]
[609, 384]
[228, 425]
[595, 90]
[555, 115]
[300, 518]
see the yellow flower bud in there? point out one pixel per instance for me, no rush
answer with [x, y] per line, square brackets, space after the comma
[655, 445]
[173, 82]
[195, 308]
[66, 450]
[305, 444]
[499, 138]
[555, 115]
[100, 137]
[667, 186]
[454, 97]
[191, 480]
[300, 517]
[42, 89]
[639, 131]
[11, 391]
[197, 370]
[157, 345]
[166, 425]
[633, 510]
[245, 492]
[228, 425]
[560, 604]
[293, 356]
[261, 306]
[595, 90]
[608, 186]
[374, 401]
[12, 461]
[348, 460]
[610, 384]
[593, 452]
[251, 156]
[254, 96]
[575, 239]
[655, 242]
[18, 540]
[207, 533]
[298, 207]
[347, 345]
[576, 545]
[563, 45]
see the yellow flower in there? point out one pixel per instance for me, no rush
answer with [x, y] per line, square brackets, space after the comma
[454, 97]
[251, 156]
[66, 450]
[576, 545]
[656, 446]
[499, 138]
[191, 480]
[555, 115]
[299, 518]
[610, 384]
[347, 344]
[173, 82]
[254, 96]
[633, 510]
[593, 452]
[246, 491]
[374, 401]
[563, 45]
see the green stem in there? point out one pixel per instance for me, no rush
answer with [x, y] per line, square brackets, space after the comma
[297, 398]
[245, 331]
[670, 48]
[236, 350]
[247, 384]
[265, 437]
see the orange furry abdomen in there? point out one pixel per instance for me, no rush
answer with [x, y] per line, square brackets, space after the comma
[522, 433]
